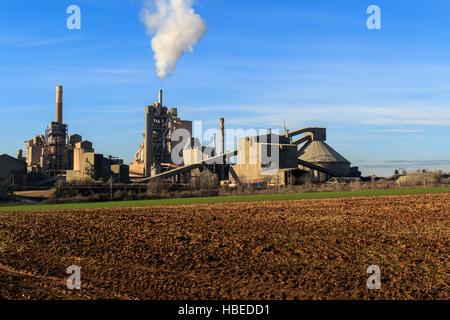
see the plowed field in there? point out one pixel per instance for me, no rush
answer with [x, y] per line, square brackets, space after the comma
[300, 249]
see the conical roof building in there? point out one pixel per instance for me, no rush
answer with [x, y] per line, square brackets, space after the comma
[321, 154]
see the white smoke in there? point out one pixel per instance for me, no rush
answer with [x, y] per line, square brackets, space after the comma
[175, 28]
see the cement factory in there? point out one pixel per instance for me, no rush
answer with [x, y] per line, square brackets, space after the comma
[56, 155]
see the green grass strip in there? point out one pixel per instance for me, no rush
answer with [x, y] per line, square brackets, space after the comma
[224, 199]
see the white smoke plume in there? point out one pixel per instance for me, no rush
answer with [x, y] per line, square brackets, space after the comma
[175, 28]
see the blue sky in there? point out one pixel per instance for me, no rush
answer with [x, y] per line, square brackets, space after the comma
[383, 95]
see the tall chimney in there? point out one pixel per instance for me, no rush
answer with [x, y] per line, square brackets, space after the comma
[214, 146]
[222, 135]
[148, 141]
[160, 97]
[59, 104]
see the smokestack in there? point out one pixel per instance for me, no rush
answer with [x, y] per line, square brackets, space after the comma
[148, 141]
[214, 145]
[160, 97]
[59, 104]
[222, 135]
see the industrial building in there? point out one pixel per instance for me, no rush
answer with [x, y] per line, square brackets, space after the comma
[58, 154]
[307, 155]
[13, 171]
[267, 159]
[299, 154]
[154, 154]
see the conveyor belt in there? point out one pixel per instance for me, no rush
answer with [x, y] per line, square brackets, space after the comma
[188, 168]
[318, 168]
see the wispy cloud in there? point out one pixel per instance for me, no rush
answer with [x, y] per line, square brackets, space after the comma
[22, 42]
[22, 108]
[112, 109]
[392, 114]
[397, 131]
[119, 71]
[408, 164]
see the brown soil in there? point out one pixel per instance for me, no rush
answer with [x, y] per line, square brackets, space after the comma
[303, 249]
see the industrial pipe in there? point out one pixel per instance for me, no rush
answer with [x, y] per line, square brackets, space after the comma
[59, 104]
[222, 135]
[160, 97]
